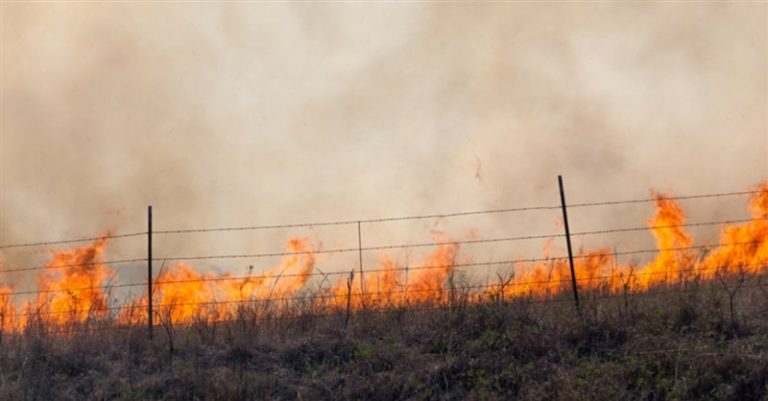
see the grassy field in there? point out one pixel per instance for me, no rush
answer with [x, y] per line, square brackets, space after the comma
[693, 341]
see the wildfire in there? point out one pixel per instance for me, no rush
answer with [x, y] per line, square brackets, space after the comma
[742, 248]
[389, 285]
[72, 287]
[8, 317]
[594, 269]
[672, 241]
[182, 294]
[282, 281]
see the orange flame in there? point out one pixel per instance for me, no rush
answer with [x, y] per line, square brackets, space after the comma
[182, 294]
[673, 260]
[743, 247]
[72, 286]
[282, 281]
[388, 284]
[593, 270]
[8, 313]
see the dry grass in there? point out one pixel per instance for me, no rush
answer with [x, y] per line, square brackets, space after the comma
[686, 342]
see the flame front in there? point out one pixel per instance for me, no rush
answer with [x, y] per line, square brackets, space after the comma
[741, 248]
[72, 287]
[182, 294]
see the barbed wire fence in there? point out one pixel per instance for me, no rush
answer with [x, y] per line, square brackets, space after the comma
[363, 294]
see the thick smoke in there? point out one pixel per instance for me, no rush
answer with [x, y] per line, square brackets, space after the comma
[241, 114]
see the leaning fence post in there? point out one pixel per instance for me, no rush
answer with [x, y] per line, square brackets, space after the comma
[568, 243]
[149, 272]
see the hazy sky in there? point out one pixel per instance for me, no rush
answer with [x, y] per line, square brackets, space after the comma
[261, 113]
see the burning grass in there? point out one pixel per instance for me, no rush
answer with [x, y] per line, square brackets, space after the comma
[689, 324]
[678, 341]
[72, 288]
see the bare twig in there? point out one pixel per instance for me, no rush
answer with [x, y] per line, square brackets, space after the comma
[732, 292]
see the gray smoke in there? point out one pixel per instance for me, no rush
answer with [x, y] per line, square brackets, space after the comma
[240, 114]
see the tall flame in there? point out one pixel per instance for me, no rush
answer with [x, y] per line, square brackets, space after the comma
[8, 313]
[72, 285]
[743, 247]
[674, 258]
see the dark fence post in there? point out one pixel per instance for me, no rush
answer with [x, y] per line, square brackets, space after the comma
[349, 298]
[149, 272]
[360, 257]
[568, 243]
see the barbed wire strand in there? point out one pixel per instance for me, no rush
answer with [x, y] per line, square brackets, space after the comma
[73, 241]
[351, 222]
[444, 215]
[53, 267]
[645, 200]
[384, 247]
[374, 220]
[661, 227]
[405, 246]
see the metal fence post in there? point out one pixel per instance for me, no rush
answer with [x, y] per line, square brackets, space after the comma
[360, 257]
[568, 243]
[149, 272]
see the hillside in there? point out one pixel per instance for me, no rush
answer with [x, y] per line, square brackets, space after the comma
[679, 342]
